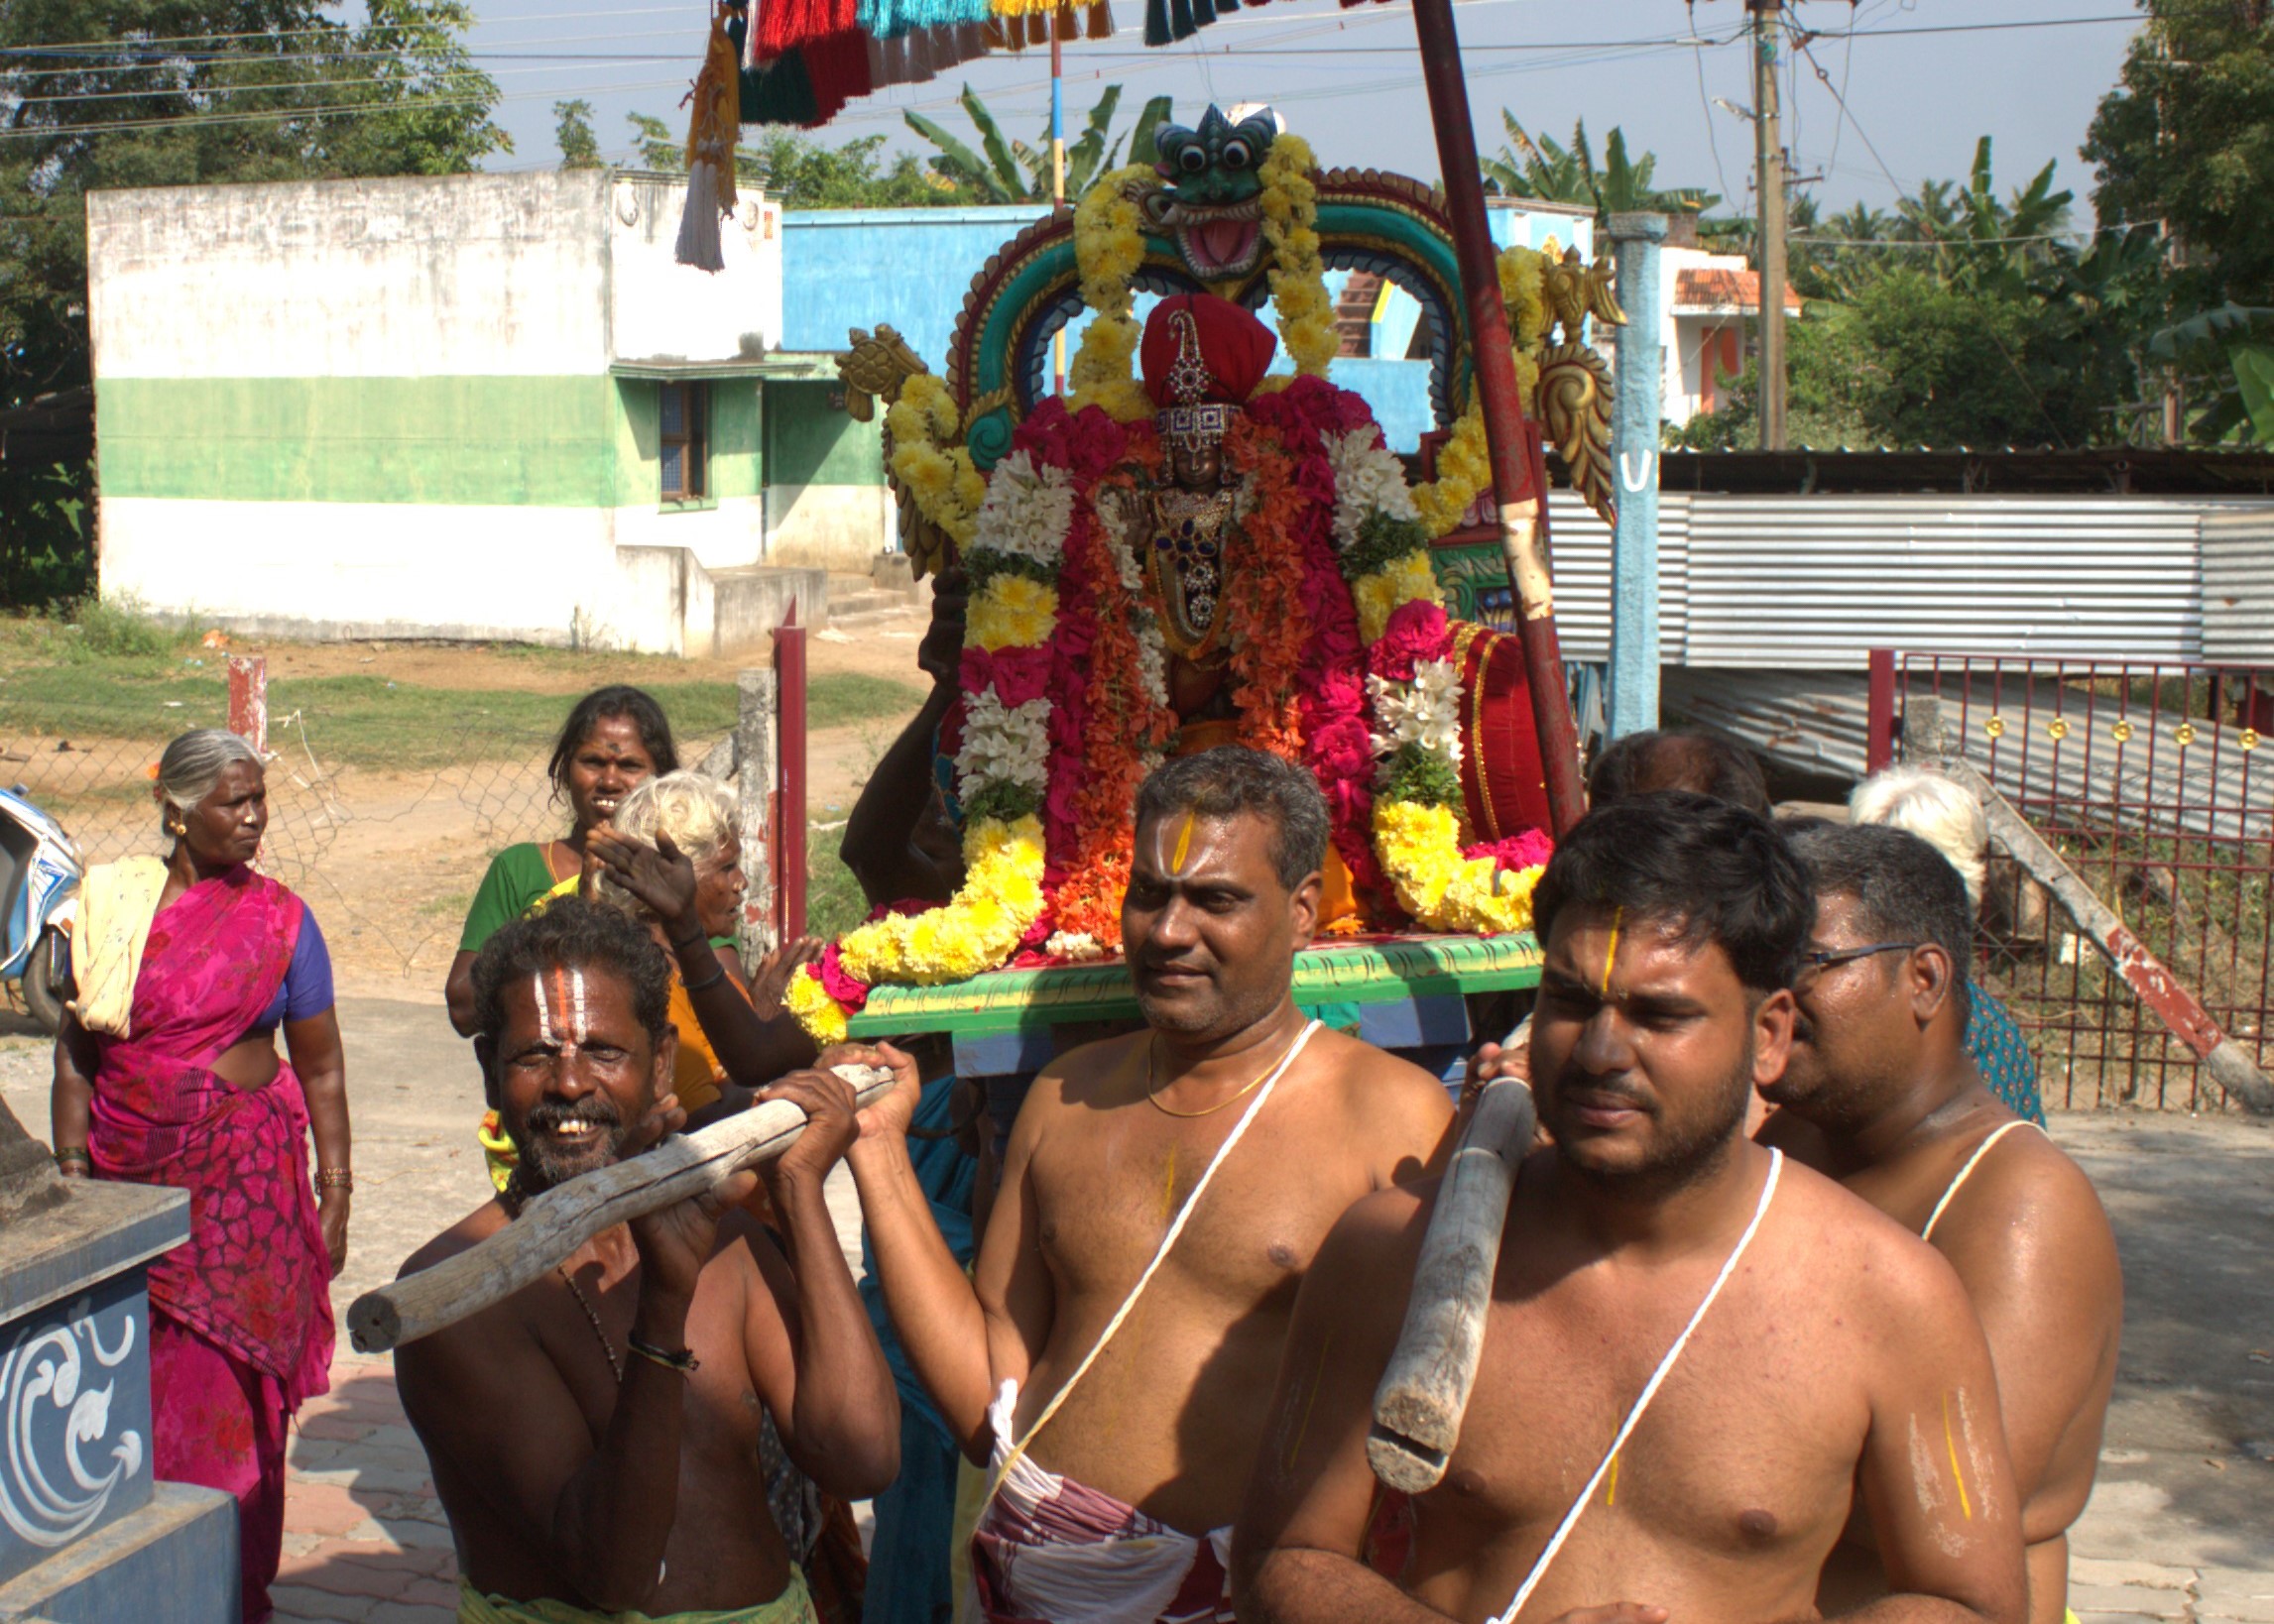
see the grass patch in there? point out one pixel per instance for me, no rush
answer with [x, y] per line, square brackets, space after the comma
[368, 721]
[834, 904]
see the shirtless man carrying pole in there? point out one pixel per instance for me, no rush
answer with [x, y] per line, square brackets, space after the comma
[595, 1437]
[1880, 1094]
[1697, 1354]
[1163, 1194]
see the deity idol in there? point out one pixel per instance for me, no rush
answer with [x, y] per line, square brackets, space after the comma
[1218, 555]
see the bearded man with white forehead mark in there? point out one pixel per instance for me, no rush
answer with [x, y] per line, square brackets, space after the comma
[1163, 1194]
[595, 1437]
[1697, 1354]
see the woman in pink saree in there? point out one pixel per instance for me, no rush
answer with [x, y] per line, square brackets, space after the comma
[167, 1072]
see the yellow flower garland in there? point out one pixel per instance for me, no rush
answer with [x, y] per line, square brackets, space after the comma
[1290, 206]
[1464, 467]
[1000, 898]
[947, 487]
[1421, 850]
[1011, 612]
[1109, 246]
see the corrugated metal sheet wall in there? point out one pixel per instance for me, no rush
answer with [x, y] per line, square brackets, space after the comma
[1582, 563]
[2239, 584]
[1814, 583]
[1817, 581]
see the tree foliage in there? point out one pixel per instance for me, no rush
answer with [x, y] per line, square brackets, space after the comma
[1963, 318]
[2183, 145]
[572, 134]
[800, 172]
[111, 93]
[1530, 167]
[1013, 172]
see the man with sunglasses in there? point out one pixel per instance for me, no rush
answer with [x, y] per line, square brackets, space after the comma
[1879, 1093]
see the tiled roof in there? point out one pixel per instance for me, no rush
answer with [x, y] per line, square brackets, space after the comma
[1723, 290]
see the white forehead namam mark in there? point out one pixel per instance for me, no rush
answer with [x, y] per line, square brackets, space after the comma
[568, 997]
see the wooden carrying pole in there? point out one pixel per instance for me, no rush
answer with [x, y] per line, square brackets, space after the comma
[1521, 497]
[1425, 1387]
[553, 1225]
[2230, 1063]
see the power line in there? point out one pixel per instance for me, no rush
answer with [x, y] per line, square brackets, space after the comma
[323, 29]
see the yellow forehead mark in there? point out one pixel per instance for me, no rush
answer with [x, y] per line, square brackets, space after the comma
[1611, 948]
[1183, 847]
[1950, 1441]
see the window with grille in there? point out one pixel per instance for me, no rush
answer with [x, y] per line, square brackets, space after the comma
[681, 413]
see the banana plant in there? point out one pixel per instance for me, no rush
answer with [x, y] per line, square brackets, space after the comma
[1531, 167]
[1014, 172]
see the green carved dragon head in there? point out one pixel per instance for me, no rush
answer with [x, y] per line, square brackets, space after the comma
[1210, 200]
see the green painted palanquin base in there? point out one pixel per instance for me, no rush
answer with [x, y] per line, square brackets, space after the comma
[1332, 980]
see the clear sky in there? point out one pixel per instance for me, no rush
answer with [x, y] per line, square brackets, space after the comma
[1916, 99]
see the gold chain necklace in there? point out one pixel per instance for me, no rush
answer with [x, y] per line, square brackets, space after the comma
[1152, 1071]
[592, 1313]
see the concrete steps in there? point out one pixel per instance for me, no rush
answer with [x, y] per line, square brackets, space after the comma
[887, 592]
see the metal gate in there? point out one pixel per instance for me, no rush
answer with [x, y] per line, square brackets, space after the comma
[2154, 781]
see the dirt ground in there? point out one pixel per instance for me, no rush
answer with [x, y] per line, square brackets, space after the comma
[390, 861]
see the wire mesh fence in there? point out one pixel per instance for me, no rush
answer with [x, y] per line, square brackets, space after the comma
[387, 843]
[2153, 782]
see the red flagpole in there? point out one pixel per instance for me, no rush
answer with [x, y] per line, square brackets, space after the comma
[1513, 441]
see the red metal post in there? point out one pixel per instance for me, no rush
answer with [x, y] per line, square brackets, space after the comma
[790, 805]
[1521, 499]
[1879, 711]
[249, 700]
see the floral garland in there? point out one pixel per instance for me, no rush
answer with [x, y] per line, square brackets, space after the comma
[1290, 204]
[930, 459]
[1342, 657]
[1415, 688]
[1109, 247]
[1464, 466]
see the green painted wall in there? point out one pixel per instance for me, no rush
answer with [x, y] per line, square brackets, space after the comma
[584, 442]
[542, 443]
[811, 442]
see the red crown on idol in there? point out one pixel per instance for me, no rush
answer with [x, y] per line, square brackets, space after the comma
[1203, 357]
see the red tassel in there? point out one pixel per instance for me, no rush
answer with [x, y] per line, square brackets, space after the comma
[1101, 20]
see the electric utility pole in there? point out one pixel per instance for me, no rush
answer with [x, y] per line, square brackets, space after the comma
[1769, 188]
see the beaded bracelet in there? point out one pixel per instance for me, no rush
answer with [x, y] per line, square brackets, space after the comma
[74, 1156]
[335, 1178]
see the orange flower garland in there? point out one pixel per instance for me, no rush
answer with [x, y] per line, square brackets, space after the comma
[1265, 623]
[1125, 731]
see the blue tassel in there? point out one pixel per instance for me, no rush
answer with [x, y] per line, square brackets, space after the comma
[1180, 23]
[1203, 13]
[1156, 22]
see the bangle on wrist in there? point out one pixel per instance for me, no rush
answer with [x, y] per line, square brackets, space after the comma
[74, 1156]
[335, 1178]
[692, 939]
[683, 1361]
[717, 974]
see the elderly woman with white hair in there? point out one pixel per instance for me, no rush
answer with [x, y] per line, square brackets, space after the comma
[1945, 815]
[672, 857]
[167, 1072]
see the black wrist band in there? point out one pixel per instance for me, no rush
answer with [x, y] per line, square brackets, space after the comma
[683, 1361]
[690, 939]
[717, 974]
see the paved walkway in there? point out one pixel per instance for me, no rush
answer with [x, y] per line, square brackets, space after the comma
[2180, 1529]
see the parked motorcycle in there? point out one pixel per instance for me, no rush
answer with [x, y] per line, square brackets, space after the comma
[40, 871]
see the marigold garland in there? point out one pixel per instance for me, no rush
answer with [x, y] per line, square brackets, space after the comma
[930, 459]
[1290, 204]
[1109, 247]
[1265, 622]
[1463, 465]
